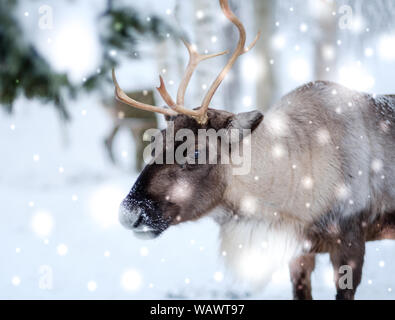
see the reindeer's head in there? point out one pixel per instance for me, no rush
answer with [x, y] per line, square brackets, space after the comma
[169, 193]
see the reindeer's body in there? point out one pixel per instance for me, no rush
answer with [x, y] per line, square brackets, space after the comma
[306, 140]
[322, 177]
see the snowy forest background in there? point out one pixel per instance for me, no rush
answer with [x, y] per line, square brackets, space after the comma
[60, 193]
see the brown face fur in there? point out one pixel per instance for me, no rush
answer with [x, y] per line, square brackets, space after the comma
[168, 194]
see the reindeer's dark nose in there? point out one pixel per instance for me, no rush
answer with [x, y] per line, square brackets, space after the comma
[129, 215]
[142, 216]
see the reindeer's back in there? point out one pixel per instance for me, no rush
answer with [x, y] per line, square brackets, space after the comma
[349, 136]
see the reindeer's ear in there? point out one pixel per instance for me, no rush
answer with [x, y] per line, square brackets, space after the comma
[169, 118]
[246, 120]
[242, 125]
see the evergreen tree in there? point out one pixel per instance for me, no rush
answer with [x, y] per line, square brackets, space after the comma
[24, 71]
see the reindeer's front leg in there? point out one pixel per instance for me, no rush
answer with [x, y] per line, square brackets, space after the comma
[301, 269]
[347, 257]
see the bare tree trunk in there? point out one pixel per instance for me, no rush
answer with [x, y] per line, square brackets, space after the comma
[170, 59]
[180, 11]
[232, 88]
[207, 39]
[266, 90]
[325, 42]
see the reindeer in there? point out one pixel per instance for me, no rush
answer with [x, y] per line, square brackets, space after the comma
[322, 179]
[136, 121]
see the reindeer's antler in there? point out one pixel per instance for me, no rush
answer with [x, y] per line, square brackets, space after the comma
[194, 59]
[123, 97]
[240, 50]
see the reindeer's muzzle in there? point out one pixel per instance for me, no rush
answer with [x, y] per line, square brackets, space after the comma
[143, 216]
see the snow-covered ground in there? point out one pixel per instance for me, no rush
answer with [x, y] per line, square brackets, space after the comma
[60, 238]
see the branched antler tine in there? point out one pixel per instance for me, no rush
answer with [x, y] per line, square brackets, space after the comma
[192, 64]
[209, 56]
[123, 97]
[240, 49]
[164, 94]
[194, 59]
[253, 43]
